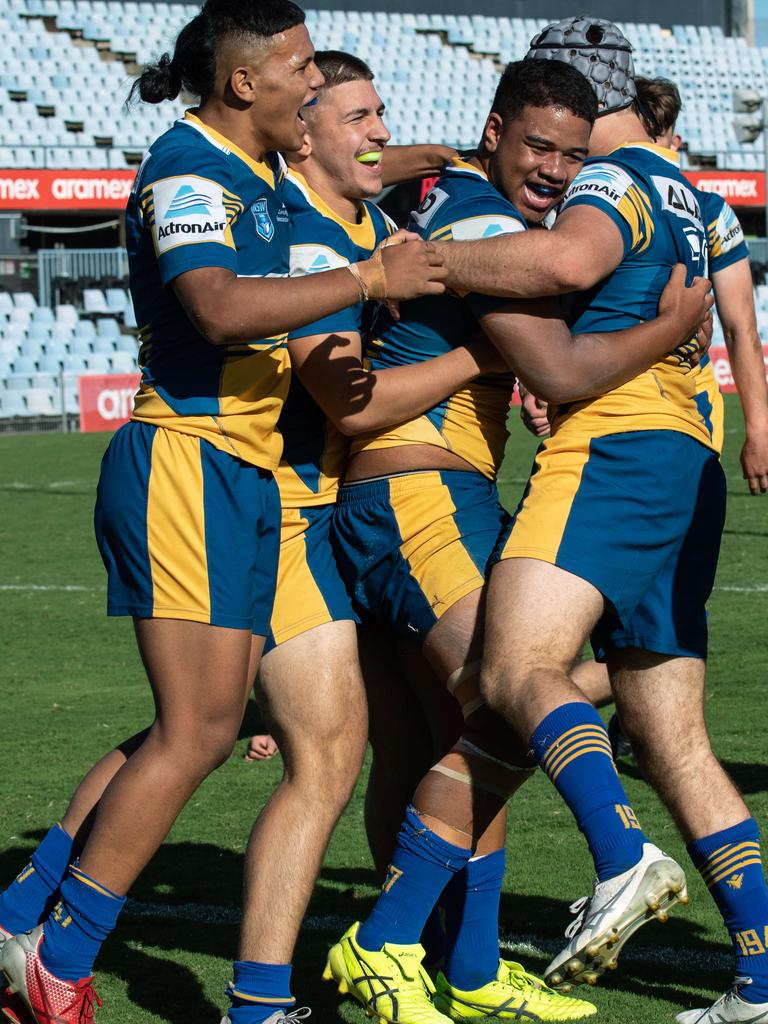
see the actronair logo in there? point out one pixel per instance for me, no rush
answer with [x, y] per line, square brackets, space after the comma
[187, 202]
[189, 210]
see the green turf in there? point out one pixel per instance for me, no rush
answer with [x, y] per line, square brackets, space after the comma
[72, 685]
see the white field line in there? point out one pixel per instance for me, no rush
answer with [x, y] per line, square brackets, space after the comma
[758, 588]
[45, 586]
[531, 945]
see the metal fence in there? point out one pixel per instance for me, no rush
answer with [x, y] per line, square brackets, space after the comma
[77, 265]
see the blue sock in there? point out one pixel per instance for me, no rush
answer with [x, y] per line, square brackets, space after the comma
[731, 865]
[28, 900]
[572, 747]
[472, 922]
[78, 925]
[421, 867]
[433, 936]
[259, 990]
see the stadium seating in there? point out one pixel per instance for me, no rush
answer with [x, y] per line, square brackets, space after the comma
[51, 115]
[43, 351]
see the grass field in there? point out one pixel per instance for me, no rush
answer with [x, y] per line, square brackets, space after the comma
[72, 686]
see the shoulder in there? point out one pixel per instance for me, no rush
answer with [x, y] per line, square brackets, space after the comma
[465, 205]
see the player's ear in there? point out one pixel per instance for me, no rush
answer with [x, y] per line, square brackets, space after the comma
[243, 83]
[492, 132]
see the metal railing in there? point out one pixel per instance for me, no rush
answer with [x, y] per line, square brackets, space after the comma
[77, 264]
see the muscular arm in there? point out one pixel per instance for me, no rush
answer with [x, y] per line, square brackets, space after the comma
[582, 248]
[407, 163]
[736, 308]
[357, 400]
[227, 309]
[558, 367]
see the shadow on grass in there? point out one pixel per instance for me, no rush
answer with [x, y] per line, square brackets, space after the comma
[749, 777]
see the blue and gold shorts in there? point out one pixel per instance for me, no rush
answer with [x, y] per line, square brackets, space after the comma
[186, 531]
[310, 590]
[638, 515]
[409, 547]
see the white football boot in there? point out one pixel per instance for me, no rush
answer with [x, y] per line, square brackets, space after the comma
[281, 1017]
[728, 1009]
[616, 909]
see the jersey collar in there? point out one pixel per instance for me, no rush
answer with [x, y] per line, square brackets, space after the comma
[362, 233]
[457, 165]
[259, 167]
[670, 155]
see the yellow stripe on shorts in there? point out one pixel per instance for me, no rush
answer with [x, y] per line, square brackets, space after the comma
[298, 599]
[176, 528]
[541, 522]
[431, 540]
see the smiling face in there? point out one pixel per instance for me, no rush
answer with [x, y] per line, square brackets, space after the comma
[346, 136]
[533, 159]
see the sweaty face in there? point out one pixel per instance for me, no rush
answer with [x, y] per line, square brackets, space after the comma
[347, 136]
[286, 78]
[534, 159]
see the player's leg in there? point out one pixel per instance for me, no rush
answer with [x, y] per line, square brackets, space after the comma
[311, 694]
[195, 609]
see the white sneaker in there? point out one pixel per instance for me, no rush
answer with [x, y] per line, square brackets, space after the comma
[617, 908]
[278, 1018]
[728, 1009]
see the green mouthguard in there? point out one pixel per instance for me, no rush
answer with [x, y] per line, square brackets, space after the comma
[369, 158]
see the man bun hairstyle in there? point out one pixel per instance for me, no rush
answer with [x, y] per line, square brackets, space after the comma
[543, 83]
[338, 68]
[193, 65]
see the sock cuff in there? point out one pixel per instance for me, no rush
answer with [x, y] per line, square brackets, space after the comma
[486, 868]
[700, 850]
[415, 831]
[78, 882]
[559, 721]
[258, 982]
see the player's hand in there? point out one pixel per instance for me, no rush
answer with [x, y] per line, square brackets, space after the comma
[704, 337]
[533, 413]
[754, 460]
[687, 308]
[260, 748]
[412, 269]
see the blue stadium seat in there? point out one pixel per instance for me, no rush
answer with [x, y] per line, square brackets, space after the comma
[25, 364]
[12, 404]
[108, 328]
[124, 362]
[49, 363]
[17, 382]
[40, 402]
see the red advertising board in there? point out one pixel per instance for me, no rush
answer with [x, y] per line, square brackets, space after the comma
[106, 400]
[721, 364]
[65, 190]
[739, 188]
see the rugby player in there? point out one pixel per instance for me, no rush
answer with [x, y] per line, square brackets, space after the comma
[414, 526]
[320, 724]
[618, 536]
[188, 514]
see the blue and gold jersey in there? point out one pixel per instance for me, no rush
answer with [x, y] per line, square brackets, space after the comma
[471, 423]
[724, 235]
[315, 451]
[200, 201]
[659, 215]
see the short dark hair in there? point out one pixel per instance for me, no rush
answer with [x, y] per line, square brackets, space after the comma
[193, 65]
[658, 104]
[543, 83]
[338, 68]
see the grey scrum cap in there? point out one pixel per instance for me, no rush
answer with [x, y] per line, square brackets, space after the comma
[598, 50]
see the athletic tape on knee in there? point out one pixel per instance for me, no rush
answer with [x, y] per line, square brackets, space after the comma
[467, 780]
[470, 748]
[455, 679]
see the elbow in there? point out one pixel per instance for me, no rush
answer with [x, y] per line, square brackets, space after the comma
[572, 276]
[349, 426]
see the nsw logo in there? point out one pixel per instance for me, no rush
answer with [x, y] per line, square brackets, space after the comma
[187, 203]
[264, 227]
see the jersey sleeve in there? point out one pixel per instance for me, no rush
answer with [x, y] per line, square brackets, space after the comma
[316, 246]
[190, 214]
[614, 191]
[725, 238]
[483, 215]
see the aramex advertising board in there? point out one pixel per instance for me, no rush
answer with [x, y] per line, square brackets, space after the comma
[65, 190]
[739, 188]
[106, 400]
